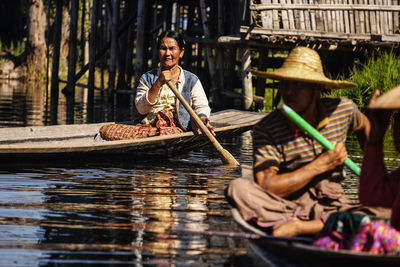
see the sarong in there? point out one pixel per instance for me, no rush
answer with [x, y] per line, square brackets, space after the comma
[316, 202]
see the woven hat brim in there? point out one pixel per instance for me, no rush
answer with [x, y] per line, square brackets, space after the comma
[302, 75]
[389, 100]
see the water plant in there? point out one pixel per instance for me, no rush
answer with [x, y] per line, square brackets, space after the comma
[14, 49]
[380, 71]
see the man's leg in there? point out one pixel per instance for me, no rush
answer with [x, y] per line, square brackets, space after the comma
[297, 227]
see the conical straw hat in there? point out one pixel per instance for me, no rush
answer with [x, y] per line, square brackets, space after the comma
[304, 65]
[389, 100]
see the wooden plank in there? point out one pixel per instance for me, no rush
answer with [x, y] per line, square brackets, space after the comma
[367, 19]
[307, 17]
[296, 15]
[337, 16]
[357, 19]
[327, 6]
[384, 24]
[379, 18]
[319, 18]
[333, 17]
[291, 16]
[275, 16]
[285, 17]
[341, 18]
[333, 35]
[362, 19]
[301, 17]
[396, 18]
[266, 16]
[325, 16]
[372, 16]
[390, 19]
[346, 20]
[352, 20]
[313, 18]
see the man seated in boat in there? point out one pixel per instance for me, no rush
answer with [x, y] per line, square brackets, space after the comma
[161, 113]
[296, 183]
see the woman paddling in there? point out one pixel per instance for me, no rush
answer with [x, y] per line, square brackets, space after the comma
[160, 111]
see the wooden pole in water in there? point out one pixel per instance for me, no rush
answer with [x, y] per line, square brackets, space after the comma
[70, 89]
[141, 21]
[226, 157]
[55, 63]
[208, 50]
[92, 60]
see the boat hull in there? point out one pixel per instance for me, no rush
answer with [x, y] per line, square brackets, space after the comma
[76, 142]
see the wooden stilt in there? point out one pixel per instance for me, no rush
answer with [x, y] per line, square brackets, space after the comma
[72, 57]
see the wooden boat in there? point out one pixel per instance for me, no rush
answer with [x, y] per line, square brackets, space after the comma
[76, 142]
[267, 250]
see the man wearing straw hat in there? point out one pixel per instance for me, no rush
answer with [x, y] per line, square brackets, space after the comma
[378, 187]
[297, 184]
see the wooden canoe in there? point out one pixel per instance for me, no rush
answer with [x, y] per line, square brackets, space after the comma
[274, 251]
[76, 141]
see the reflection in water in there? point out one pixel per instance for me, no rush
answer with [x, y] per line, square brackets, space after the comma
[133, 214]
[130, 213]
[24, 104]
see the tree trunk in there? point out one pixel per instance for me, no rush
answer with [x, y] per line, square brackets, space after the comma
[36, 57]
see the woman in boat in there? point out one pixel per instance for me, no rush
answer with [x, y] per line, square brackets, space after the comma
[161, 113]
[153, 94]
[378, 187]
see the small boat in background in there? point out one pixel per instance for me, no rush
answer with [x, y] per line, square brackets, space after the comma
[267, 250]
[35, 144]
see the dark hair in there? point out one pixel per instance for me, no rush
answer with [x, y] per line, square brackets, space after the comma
[171, 34]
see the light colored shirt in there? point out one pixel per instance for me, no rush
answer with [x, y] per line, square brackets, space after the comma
[198, 98]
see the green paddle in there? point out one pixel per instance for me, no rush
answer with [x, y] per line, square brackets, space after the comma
[306, 127]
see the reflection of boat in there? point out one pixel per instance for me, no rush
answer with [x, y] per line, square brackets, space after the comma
[68, 142]
[275, 251]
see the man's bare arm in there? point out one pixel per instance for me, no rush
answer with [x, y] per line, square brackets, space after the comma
[287, 183]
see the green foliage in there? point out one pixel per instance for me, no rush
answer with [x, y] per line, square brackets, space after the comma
[381, 71]
[14, 50]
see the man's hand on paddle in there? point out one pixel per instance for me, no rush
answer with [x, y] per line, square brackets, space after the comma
[332, 158]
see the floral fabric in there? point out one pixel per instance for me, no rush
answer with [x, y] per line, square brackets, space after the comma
[163, 125]
[375, 237]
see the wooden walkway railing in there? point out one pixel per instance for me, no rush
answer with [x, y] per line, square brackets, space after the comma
[355, 20]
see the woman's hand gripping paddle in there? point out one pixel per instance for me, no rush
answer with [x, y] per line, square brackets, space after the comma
[226, 157]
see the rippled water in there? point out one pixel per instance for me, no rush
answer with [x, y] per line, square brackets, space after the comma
[160, 212]
[121, 213]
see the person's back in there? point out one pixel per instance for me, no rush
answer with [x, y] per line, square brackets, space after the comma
[378, 187]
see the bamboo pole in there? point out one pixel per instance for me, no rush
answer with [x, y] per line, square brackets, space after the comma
[306, 127]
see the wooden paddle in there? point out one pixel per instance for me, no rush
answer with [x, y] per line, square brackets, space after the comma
[226, 157]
